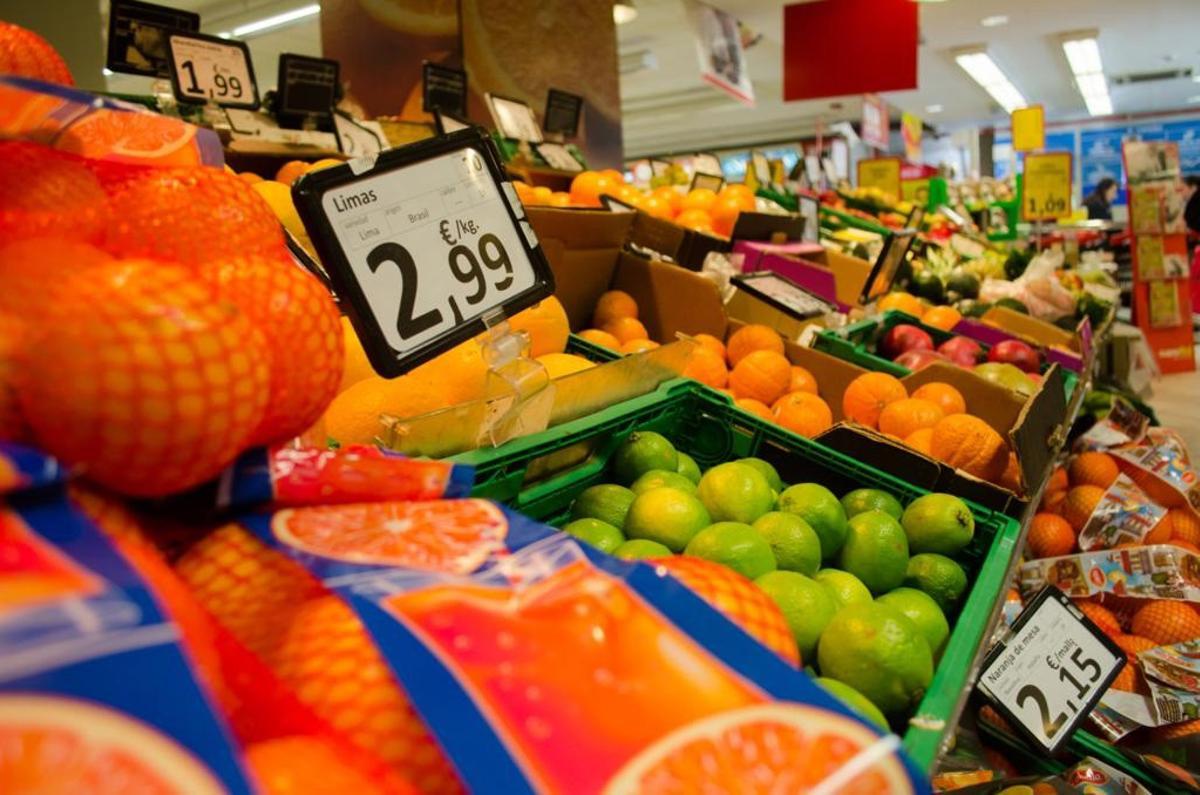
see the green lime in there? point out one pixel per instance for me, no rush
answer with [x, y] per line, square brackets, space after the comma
[816, 505]
[642, 452]
[861, 500]
[876, 551]
[607, 502]
[669, 516]
[924, 613]
[735, 492]
[766, 470]
[938, 523]
[879, 652]
[855, 700]
[735, 545]
[688, 468]
[601, 535]
[845, 587]
[938, 576]
[807, 606]
[658, 478]
[641, 549]
[794, 543]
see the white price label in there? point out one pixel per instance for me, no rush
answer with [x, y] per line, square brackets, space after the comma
[431, 247]
[207, 68]
[1051, 671]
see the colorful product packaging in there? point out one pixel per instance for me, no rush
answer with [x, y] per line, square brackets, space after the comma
[1124, 515]
[1158, 571]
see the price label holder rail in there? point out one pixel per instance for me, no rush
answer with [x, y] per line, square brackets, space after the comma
[428, 246]
[211, 69]
[1049, 670]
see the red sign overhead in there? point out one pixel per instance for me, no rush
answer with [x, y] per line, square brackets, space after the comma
[877, 53]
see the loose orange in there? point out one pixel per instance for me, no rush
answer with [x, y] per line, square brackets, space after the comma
[946, 396]
[291, 171]
[904, 417]
[670, 197]
[587, 186]
[539, 195]
[738, 191]
[1099, 615]
[1093, 468]
[803, 381]
[1080, 504]
[698, 220]
[626, 329]
[599, 337]
[612, 305]
[1050, 536]
[613, 176]
[1058, 480]
[754, 337]
[1053, 502]
[802, 413]
[546, 324]
[1166, 622]
[970, 444]
[902, 301]
[762, 375]
[920, 440]
[711, 342]
[707, 367]
[638, 346]
[698, 199]
[756, 407]
[942, 317]
[868, 395]
[657, 207]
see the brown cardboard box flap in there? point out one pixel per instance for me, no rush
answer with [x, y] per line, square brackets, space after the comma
[670, 299]
[580, 229]
[876, 450]
[850, 275]
[687, 247]
[1030, 329]
[1041, 427]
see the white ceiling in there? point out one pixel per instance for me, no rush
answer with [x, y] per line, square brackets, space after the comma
[666, 108]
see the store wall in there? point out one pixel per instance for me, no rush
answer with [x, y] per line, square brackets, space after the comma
[72, 26]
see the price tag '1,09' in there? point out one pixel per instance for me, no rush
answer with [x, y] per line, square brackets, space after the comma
[1047, 186]
[1051, 670]
[208, 68]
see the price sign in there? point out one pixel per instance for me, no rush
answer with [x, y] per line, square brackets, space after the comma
[422, 244]
[1047, 186]
[783, 294]
[882, 173]
[1029, 129]
[1050, 670]
[207, 68]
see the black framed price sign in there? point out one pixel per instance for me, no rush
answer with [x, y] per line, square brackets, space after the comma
[562, 113]
[422, 244]
[137, 36]
[711, 181]
[443, 88]
[887, 264]
[307, 87]
[208, 68]
[783, 294]
[1050, 669]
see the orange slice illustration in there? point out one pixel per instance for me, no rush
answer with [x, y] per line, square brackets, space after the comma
[129, 137]
[454, 536]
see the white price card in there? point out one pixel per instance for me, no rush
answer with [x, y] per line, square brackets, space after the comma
[1050, 670]
[211, 69]
[422, 245]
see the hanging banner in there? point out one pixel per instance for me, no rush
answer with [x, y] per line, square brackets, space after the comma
[875, 121]
[882, 173]
[1029, 129]
[719, 47]
[910, 131]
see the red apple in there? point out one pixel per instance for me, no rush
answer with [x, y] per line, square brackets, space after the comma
[963, 351]
[904, 338]
[919, 359]
[1016, 353]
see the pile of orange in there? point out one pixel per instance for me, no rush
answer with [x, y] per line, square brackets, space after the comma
[615, 324]
[940, 317]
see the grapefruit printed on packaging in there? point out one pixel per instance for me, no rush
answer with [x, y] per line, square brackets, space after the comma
[455, 536]
[54, 744]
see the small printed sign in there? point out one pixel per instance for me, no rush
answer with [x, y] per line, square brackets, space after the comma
[882, 173]
[1050, 670]
[137, 36]
[1047, 186]
[562, 113]
[306, 87]
[211, 69]
[445, 89]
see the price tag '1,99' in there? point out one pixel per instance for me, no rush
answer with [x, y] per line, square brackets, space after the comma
[423, 245]
[208, 68]
[1050, 671]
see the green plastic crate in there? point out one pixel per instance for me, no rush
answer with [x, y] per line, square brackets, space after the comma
[856, 343]
[541, 475]
[590, 350]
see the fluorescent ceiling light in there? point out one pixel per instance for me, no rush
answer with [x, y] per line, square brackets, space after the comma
[934, 108]
[624, 12]
[984, 71]
[276, 21]
[1083, 55]
[994, 21]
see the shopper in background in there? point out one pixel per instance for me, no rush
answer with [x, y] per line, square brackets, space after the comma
[1099, 202]
[1191, 212]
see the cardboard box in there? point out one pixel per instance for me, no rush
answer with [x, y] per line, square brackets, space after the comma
[830, 274]
[1073, 350]
[687, 247]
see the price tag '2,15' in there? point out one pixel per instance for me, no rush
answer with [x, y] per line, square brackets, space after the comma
[422, 244]
[208, 68]
[1050, 670]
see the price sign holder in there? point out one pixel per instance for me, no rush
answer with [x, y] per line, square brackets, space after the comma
[444, 88]
[558, 156]
[306, 91]
[211, 69]
[1049, 670]
[137, 36]
[427, 246]
[710, 181]
[1046, 186]
[562, 113]
[783, 294]
[882, 173]
[883, 272]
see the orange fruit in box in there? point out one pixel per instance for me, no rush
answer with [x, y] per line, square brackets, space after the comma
[547, 325]
[707, 367]
[44, 193]
[291, 171]
[750, 338]
[639, 346]
[868, 395]
[944, 395]
[762, 375]
[670, 196]
[724, 213]
[712, 343]
[970, 444]
[902, 301]
[1080, 503]
[1050, 536]
[559, 199]
[626, 329]
[540, 195]
[698, 199]
[587, 186]
[657, 207]
[1093, 469]
[920, 440]
[613, 176]
[942, 317]
[755, 407]
[595, 335]
[26, 54]
[1011, 478]
[612, 305]
[802, 381]
[698, 220]
[1053, 502]
[1166, 622]
[904, 417]
[802, 413]
[1099, 615]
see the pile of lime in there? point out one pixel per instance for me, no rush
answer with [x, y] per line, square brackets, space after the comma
[863, 582]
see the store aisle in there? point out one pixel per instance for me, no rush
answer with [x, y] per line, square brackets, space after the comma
[1176, 400]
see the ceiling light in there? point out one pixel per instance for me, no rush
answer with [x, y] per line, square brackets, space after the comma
[934, 108]
[1196, 78]
[624, 12]
[276, 21]
[984, 71]
[994, 21]
[1083, 55]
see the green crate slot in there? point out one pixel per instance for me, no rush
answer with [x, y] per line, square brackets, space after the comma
[590, 350]
[542, 474]
[856, 343]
